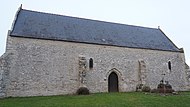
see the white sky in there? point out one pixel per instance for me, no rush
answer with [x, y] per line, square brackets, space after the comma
[173, 16]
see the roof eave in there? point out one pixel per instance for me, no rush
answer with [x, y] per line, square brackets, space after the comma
[95, 43]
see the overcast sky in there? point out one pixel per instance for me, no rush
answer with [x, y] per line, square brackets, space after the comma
[173, 16]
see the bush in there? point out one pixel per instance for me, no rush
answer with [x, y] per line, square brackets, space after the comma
[164, 87]
[165, 90]
[139, 87]
[154, 91]
[82, 91]
[169, 91]
[146, 89]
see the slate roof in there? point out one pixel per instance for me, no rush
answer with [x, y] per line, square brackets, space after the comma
[40, 25]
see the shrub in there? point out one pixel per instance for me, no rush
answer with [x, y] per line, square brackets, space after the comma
[165, 90]
[169, 90]
[82, 91]
[146, 89]
[161, 85]
[154, 91]
[139, 87]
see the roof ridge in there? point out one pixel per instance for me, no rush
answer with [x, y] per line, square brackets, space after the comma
[91, 19]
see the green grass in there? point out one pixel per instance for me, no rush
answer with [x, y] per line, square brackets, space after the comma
[131, 99]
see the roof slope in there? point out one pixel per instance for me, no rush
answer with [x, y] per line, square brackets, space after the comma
[57, 27]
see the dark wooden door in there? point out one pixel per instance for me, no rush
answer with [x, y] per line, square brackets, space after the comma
[113, 82]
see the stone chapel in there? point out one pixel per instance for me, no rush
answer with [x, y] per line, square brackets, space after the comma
[49, 54]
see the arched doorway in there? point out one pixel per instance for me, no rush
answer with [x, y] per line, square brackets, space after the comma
[113, 82]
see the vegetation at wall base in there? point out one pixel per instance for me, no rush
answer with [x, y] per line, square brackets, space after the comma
[129, 99]
[83, 91]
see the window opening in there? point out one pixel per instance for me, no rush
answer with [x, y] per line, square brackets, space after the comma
[169, 66]
[91, 63]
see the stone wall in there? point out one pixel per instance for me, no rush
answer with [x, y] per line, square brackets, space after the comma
[2, 94]
[47, 67]
[188, 76]
[4, 72]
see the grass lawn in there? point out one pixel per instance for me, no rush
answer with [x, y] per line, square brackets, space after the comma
[131, 99]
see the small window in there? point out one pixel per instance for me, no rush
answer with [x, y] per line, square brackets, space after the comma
[91, 63]
[169, 66]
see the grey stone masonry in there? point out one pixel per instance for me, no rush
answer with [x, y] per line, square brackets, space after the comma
[4, 72]
[2, 94]
[36, 67]
[188, 75]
